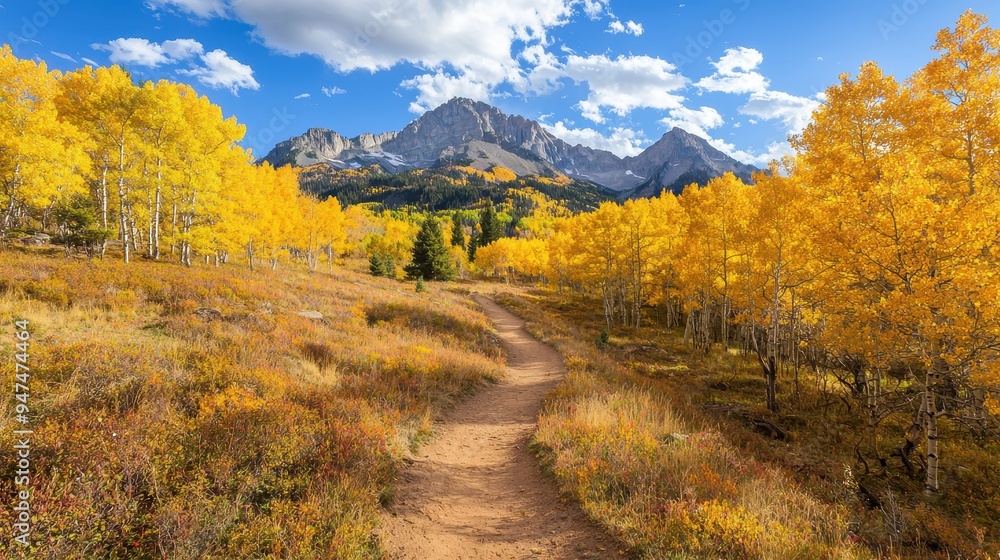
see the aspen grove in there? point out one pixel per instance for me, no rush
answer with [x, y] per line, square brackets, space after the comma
[870, 256]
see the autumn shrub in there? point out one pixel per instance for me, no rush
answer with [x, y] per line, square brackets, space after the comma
[663, 478]
[244, 431]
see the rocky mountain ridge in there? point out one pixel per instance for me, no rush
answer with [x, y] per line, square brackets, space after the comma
[483, 136]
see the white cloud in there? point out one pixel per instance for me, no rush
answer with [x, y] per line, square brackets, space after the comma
[740, 59]
[142, 52]
[200, 8]
[775, 150]
[335, 90]
[436, 89]
[223, 72]
[735, 73]
[473, 37]
[616, 27]
[622, 141]
[594, 8]
[89, 61]
[696, 121]
[303, 96]
[624, 83]
[181, 49]
[792, 110]
[63, 56]
[546, 70]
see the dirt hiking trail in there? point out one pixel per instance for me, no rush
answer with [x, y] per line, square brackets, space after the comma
[475, 492]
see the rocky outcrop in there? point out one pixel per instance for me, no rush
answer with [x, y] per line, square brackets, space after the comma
[481, 133]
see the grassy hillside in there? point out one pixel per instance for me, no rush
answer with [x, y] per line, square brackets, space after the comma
[193, 413]
[671, 449]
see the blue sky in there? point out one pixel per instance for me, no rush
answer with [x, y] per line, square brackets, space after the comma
[611, 74]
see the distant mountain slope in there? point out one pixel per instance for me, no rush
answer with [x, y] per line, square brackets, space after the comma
[683, 159]
[484, 136]
[444, 187]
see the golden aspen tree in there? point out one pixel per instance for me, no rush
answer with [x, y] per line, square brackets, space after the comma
[497, 258]
[204, 150]
[717, 214]
[42, 156]
[776, 258]
[393, 239]
[106, 104]
[558, 269]
[669, 224]
[161, 123]
[955, 114]
[283, 215]
[909, 241]
[334, 228]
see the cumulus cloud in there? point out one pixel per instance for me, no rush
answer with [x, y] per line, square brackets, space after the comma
[142, 52]
[335, 90]
[696, 121]
[621, 142]
[736, 72]
[546, 70]
[774, 151]
[625, 83]
[437, 89]
[221, 71]
[303, 96]
[794, 111]
[181, 49]
[631, 27]
[473, 36]
[594, 8]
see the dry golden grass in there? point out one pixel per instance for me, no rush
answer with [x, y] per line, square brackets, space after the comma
[244, 432]
[659, 474]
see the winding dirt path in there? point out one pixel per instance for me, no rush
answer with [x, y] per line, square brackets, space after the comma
[476, 492]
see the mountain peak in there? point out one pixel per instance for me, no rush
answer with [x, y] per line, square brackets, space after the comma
[482, 134]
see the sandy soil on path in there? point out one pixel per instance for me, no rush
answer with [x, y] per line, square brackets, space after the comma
[475, 491]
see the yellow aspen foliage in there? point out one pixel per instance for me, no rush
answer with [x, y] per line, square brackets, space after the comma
[42, 158]
[719, 215]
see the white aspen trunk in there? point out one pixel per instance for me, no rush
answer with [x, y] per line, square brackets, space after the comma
[9, 215]
[122, 203]
[104, 206]
[250, 253]
[931, 431]
[154, 235]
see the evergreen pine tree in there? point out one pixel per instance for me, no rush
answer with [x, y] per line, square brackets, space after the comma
[473, 244]
[457, 233]
[382, 265]
[375, 264]
[491, 226]
[431, 259]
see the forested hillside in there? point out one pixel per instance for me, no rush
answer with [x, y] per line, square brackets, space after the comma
[448, 186]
